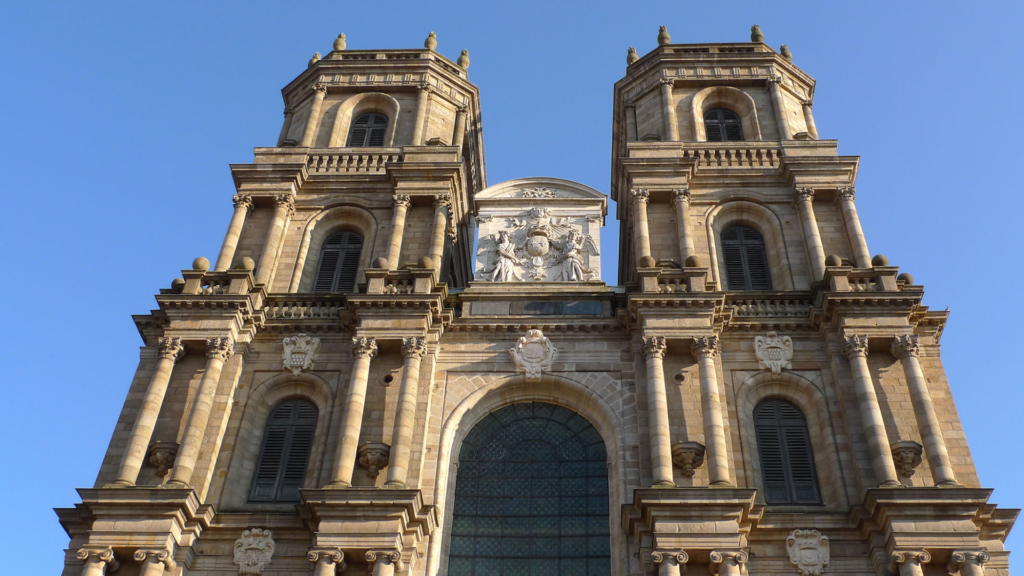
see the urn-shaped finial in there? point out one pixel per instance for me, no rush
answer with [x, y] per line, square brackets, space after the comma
[631, 56]
[663, 37]
[314, 59]
[463, 60]
[431, 42]
[339, 42]
[755, 34]
[784, 51]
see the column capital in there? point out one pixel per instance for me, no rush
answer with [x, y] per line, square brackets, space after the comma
[243, 201]
[906, 345]
[413, 347]
[284, 200]
[319, 88]
[288, 110]
[424, 86]
[654, 347]
[846, 193]
[855, 346]
[461, 108]
[719, 557]
[803, 194]
[327, 555]
[666, 81]
[914, 556]
[220, 348]
[442, 201]
[774, 80]
[807, 103]
[156, 556]
[96, 553]
[171, 348]
[402, 201]
[681, 194]
[363, 347]
[640, 195]
[704, 347]
[678, 556]
[391, 556]
[960, 557]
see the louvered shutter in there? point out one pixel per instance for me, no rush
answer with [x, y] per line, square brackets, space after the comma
[349, 265]
[722, 125]
[368, 130]
[264, 484]
[339, 263]
[378, 127]
[757, 267]
[773, 465]
[746, 262]
[784, 447]
[713, 130]
[284, 455]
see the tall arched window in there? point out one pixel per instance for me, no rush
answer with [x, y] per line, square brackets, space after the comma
[787, 465]
[746, 262]
[722, 125]
[284, 454]
[368, 130]
[339, 263]
[531, 495]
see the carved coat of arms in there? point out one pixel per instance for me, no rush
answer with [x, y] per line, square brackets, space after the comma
[542, 246]
[774, 352]
[808, 551]
[299, 352]
[532, 354]
[253, 551]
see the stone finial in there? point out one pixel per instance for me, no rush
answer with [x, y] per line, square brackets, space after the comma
[201, 264]
[663, 37]
[808, 551]
[463, 60]
[631, 56]
[755, 34]
[254, 550]
[833, 260]
[339, 42]
[431, 42]
[785, 53]
[313, 60]
[247, 263]
[906, 277]
[879, 260]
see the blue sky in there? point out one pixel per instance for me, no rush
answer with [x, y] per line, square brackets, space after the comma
[120, 120]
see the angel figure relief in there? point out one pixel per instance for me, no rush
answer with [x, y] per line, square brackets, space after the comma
[505, 266]
[527, 247]
[573, 247]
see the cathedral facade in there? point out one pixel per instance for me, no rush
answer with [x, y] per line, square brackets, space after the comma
[394, 368]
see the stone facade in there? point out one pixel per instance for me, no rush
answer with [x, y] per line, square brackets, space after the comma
[668, 367]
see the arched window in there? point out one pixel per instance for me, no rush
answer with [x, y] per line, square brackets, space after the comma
[531, 495]
[787, 465]
[746, 263]
[722, 125]
[339, 263]
[284, 454]
[368, 130]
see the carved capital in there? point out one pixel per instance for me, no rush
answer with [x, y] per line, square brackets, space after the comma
[855, 347]
[704, 347]
[654, 347]
[388, 556]
[774, 80]
[363, 347]
[688, 456]
[913, 556]
[807, 103]
[171, 348]
[959, 558]
[288, 110]
[402, 201]
[156, 556]
[640, 195]
[846, 193]
[678, 557]
[320, 88]
[906, 455]
[803, 195]
[442, 202]
[424, 86]
[727, 557]
[681, 194]
[374, 457]
[254, 550]
[95, 554]
[161, 455]
[664, 81]
[906, 345]
[285, 201]
[243, 201]
[413, 347]
[334, 557]
[220, 348]
[461, 109]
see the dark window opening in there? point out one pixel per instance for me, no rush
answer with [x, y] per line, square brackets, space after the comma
[784, 446]
[368, 130]
[746, 262]
[284, 454]
[339, 263]
[722, 125]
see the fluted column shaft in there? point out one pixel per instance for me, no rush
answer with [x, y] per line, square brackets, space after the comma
[641, 230]
[286, 127]
[413, 350]
[401, 203]
[421, 114]
[243, 205]
[812, 130]
[441, 205]
[283, 209]
[309, 136]
[681, 200]
[218, 350]
[363, 350]
[804, 200]
[855, 348]
[844, 197]
[171, 349]
[907, 349]
[780, 109]
[671, 124]
[459, 136]
[657, 413]
[705, 349]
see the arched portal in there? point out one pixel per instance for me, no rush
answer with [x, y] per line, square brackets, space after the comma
[531, 495]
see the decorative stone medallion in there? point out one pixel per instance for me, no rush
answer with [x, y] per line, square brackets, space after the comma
[532, 354]
[808, 551]
[254, 550]
[299, 352]
[774, 352]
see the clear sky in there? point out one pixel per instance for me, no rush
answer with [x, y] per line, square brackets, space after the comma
[119, 121]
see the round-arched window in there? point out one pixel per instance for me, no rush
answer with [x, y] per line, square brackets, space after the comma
[722, 125]
[368, 130]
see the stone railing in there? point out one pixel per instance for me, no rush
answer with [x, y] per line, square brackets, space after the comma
[755, 307]
[351, 160]
[407, 281]
[295, 306]
[206, 283]
[876, 279]
[673, 280]
[732, 155]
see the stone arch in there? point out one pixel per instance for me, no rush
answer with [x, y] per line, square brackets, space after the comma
[724, 97]
[762, 219]
[319, 228]
[358, 104]
[511, 390]
[811, 400]
[263, 397]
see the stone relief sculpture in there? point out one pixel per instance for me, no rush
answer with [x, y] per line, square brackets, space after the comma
[253, 551]
[808, 551]
[299, 352]
[505, 268]
[532, 354]
[527, 245]
[774, 352]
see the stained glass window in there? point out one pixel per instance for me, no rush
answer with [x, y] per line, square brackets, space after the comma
[531, 496]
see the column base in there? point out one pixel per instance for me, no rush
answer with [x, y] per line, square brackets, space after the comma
[120, 484]
[337, 485]
[949, 484]
[664, 485]
[395, 485]
[721, 484]
[891, 484]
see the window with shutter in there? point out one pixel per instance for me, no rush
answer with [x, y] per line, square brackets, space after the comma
[339, 263]
[746, 261]
[784, 446]
[722, 125]
[368, 130]
[284, 454]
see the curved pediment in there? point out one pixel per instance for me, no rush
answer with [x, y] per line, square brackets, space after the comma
[540, 188]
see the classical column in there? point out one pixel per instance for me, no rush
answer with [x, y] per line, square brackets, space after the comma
[283, 210]
[309, 136]
[170, 350]
[657, 413]
[401, 203]
[968, 562]
[804, 201]
[218, 350]
[780, 108]
[98, 560]
[421, 113]
[155, 561]
[413, 350]
[908, 350]
[442, 203]
[855, 348]
[681, 200]
[459, 136]
[641, 232]
[286, 127]
[844, 197]
[727, 562]
[812, 130]
[243, 206]
[704, 349]
[909, 562]
[669, 563]
[363, 349]
[326, 561]
[671, 124]
[384, 562]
